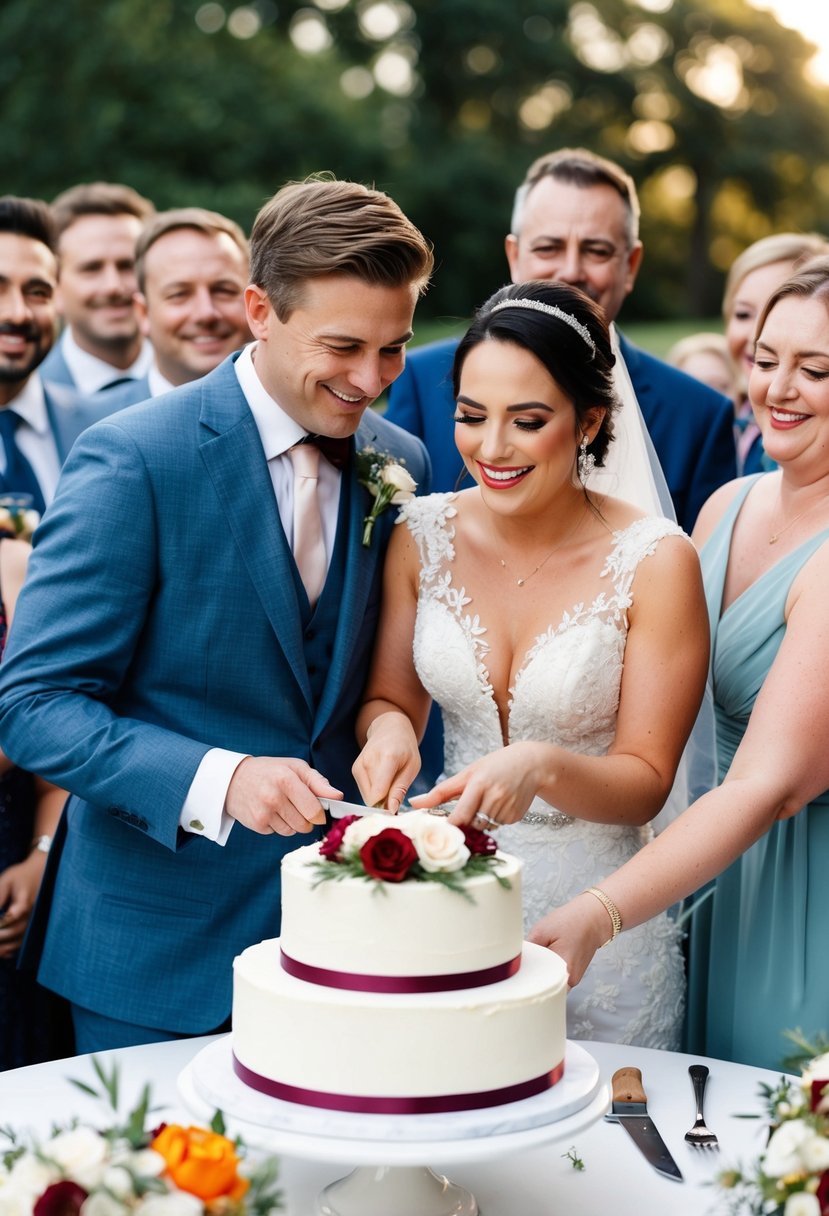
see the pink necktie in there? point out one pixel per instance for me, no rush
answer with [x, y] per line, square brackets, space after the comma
[309, 546]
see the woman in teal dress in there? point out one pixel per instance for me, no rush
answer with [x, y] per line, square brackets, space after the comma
[758, 943]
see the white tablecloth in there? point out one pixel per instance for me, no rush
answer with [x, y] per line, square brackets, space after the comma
[616, 1180]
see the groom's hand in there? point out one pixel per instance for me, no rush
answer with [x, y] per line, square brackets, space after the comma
[275, 794]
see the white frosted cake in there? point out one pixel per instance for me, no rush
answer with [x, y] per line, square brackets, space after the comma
[404, 995]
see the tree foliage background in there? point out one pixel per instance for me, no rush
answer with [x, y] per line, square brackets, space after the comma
[444, 103]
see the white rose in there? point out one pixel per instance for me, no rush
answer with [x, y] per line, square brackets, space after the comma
[402, 481]
[357, 833]
[81, 1153]
[16, 1200]
[801, 1204]
[817, 1070]
[145, 1163]
[100, 1203]
[783, 1153]
[33, 1175]
[174, 1203]
[440, 845]
[815, 1154]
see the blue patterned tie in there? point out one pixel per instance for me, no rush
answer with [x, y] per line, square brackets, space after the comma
[19, 476]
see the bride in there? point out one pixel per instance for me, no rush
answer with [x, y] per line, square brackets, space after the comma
[563, 634]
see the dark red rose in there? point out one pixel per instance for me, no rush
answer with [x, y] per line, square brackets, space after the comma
[60, 1199]
[389, 855]
[822, 1193]
[817, 1093]
[330, 846]
[479, 843]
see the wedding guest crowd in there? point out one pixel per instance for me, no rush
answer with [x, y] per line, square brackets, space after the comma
[196, 628]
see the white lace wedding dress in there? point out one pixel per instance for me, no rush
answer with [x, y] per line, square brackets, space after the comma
[567, 692]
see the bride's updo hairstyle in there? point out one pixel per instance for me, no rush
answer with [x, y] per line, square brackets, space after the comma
[566, 332]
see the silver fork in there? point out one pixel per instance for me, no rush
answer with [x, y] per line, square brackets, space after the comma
[699, 1135]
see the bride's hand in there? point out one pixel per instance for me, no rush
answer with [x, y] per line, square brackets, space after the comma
[494, 790]
[575, 931]
[389, 762]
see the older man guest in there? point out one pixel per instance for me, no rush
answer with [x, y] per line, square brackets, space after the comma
[192, 269]
[98, 224]
[576, 219]
[191, 645]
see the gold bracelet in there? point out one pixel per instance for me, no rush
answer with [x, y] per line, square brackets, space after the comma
[612, 911]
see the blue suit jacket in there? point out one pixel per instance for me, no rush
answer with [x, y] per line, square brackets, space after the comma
[69, 415]
[159, 619]
[690, 424]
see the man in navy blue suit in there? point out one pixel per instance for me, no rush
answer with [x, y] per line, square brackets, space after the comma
[181, 657]
[576, 218]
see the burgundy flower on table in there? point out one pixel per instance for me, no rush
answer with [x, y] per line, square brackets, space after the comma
[330, 846]
[60, 1199]
[389, 855]
[479, 843]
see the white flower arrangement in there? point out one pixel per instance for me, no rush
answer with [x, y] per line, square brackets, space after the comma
[127, 1170]
[792, 1176]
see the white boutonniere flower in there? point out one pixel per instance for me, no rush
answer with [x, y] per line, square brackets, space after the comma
[387, 481]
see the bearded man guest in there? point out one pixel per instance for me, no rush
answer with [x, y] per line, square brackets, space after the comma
[39, 421]
[191, 645]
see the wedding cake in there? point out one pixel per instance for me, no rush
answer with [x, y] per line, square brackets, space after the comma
[400, 983]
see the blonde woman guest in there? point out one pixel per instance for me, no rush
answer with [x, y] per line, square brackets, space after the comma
[758, 961]
[705, 357]
[754, 275]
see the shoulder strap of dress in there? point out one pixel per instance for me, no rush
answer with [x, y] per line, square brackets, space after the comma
[429, 519]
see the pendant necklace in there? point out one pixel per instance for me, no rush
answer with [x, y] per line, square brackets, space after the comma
[519, 582]
[775, 536]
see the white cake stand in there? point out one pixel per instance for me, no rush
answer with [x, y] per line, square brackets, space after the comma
[389, 1151]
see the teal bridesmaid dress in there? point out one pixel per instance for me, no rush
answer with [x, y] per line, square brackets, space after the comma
[759, 956]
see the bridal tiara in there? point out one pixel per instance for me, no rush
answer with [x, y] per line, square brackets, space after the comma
[552, 310]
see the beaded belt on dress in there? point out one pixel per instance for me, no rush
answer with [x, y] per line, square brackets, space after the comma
[550, 819]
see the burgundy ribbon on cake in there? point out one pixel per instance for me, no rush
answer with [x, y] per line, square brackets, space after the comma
[398, 983]
[365, 1105]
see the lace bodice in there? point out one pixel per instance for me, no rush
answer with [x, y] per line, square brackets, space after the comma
[567, 688]
[566, 691]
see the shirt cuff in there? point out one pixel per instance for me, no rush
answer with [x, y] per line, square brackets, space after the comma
[203, 813]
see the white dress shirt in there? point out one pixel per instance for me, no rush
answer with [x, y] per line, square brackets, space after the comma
[34, 436]
[203, 810]
[91, 374]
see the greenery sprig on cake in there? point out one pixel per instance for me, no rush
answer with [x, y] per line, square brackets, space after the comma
[412, 847]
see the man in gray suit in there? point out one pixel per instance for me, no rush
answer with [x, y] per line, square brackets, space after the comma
[39, 421]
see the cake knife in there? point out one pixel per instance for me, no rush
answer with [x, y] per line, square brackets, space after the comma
[630, 1108]
[338, 810]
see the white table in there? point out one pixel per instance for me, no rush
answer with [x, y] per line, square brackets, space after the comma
[616, 1181]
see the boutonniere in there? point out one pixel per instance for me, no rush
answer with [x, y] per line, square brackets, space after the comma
[387, 481]
[17, 520]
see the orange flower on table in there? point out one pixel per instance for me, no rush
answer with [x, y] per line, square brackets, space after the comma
[201, 1162]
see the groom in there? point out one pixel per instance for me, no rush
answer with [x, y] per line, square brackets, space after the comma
[174, 664]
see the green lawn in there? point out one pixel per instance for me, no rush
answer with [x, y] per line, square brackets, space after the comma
[654, 336]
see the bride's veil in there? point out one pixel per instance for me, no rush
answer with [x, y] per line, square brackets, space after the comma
[632, 471]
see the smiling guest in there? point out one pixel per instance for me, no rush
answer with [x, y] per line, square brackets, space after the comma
[192, 268]
[98, 224]
[199, 683]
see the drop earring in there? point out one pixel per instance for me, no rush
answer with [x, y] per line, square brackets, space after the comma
[586, 460]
